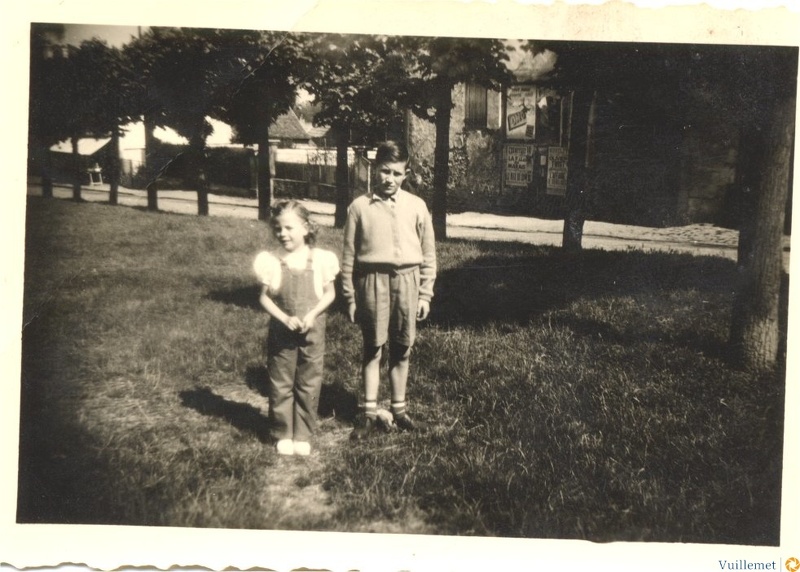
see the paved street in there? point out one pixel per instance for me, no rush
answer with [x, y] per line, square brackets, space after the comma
[697, 239]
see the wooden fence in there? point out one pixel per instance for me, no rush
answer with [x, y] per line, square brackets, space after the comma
[311, 173]
[296, 173]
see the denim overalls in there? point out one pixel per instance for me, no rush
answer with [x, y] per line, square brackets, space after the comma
[295, 360]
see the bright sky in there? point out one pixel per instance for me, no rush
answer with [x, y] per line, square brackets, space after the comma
[114, 35]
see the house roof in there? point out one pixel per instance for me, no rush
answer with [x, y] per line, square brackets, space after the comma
[87, 146]
[314, 132]
[288, 126]
[318, 132]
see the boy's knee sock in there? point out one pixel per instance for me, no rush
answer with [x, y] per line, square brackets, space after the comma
[398, 408]
[371, 409]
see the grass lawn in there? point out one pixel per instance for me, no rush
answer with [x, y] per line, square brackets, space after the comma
[570, 396]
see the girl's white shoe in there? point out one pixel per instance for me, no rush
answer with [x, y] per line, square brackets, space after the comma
[285, 447]
[302, 448]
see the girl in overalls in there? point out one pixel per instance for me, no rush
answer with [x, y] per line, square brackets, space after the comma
[297, 286]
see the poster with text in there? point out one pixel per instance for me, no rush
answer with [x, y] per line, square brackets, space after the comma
[518, 165]
[557, 171]
[521, 112]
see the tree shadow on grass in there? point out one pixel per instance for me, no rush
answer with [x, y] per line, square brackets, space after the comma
[65, 480]
[337, 401]
[515, 283]
[242, 416]
[243, 297]
[699, 341]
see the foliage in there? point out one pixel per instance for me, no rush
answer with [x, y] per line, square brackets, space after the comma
[267, 89]
[267, 86]
[184, 74]
[439, 63]
[47, 118]
[77, 92]
[358, 83]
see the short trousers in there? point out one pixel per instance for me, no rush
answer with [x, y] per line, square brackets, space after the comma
[386, 304]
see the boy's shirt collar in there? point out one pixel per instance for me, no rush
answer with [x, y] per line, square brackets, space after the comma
[378, 197]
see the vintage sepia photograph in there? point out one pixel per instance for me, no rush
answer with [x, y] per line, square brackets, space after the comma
[442, 286]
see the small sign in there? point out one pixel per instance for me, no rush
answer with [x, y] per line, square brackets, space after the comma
[557, 171]
[521, 112]
[518, 165]
[517, 119]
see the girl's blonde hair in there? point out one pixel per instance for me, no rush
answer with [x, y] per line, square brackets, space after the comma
[302, 212]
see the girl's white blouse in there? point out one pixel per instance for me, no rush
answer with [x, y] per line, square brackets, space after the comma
[267, 267]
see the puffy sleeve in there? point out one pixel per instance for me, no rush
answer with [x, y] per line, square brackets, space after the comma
[328, 266]
[267, 268]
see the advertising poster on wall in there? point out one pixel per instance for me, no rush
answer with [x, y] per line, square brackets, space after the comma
[557, 171]
[518, 165]
[521, 112]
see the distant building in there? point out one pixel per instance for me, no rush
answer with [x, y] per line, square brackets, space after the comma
[291, 133]
[508, 154]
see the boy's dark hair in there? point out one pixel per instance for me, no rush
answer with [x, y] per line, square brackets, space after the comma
[395, 152]
[391, 152]
[301, 211]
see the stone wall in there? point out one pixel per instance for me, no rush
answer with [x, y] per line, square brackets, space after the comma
[675, 177]
[708, 173]
[475, 170]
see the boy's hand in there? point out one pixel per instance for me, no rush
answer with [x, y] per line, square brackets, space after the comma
[351, 311]
[423, 309]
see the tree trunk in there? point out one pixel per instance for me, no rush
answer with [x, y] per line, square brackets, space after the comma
[580, 163]
[441, 162]
[152, 196]
[76, 170]
[264, 175]
[342, 177]
[755, 334]
[113, 189]
[151, 169]
[197, 147]
[47, 171]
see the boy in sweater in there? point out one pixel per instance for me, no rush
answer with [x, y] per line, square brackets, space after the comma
[388, 271]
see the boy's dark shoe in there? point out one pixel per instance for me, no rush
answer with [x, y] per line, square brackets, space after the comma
[365, 427]
[384, 422]
[405, 423]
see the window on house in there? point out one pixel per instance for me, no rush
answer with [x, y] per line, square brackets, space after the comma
[475, 99]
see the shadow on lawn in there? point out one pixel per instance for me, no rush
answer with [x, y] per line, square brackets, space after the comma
[243, 416]
[699, 341]
[63, 472]
[514, 283]
[244, 297]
